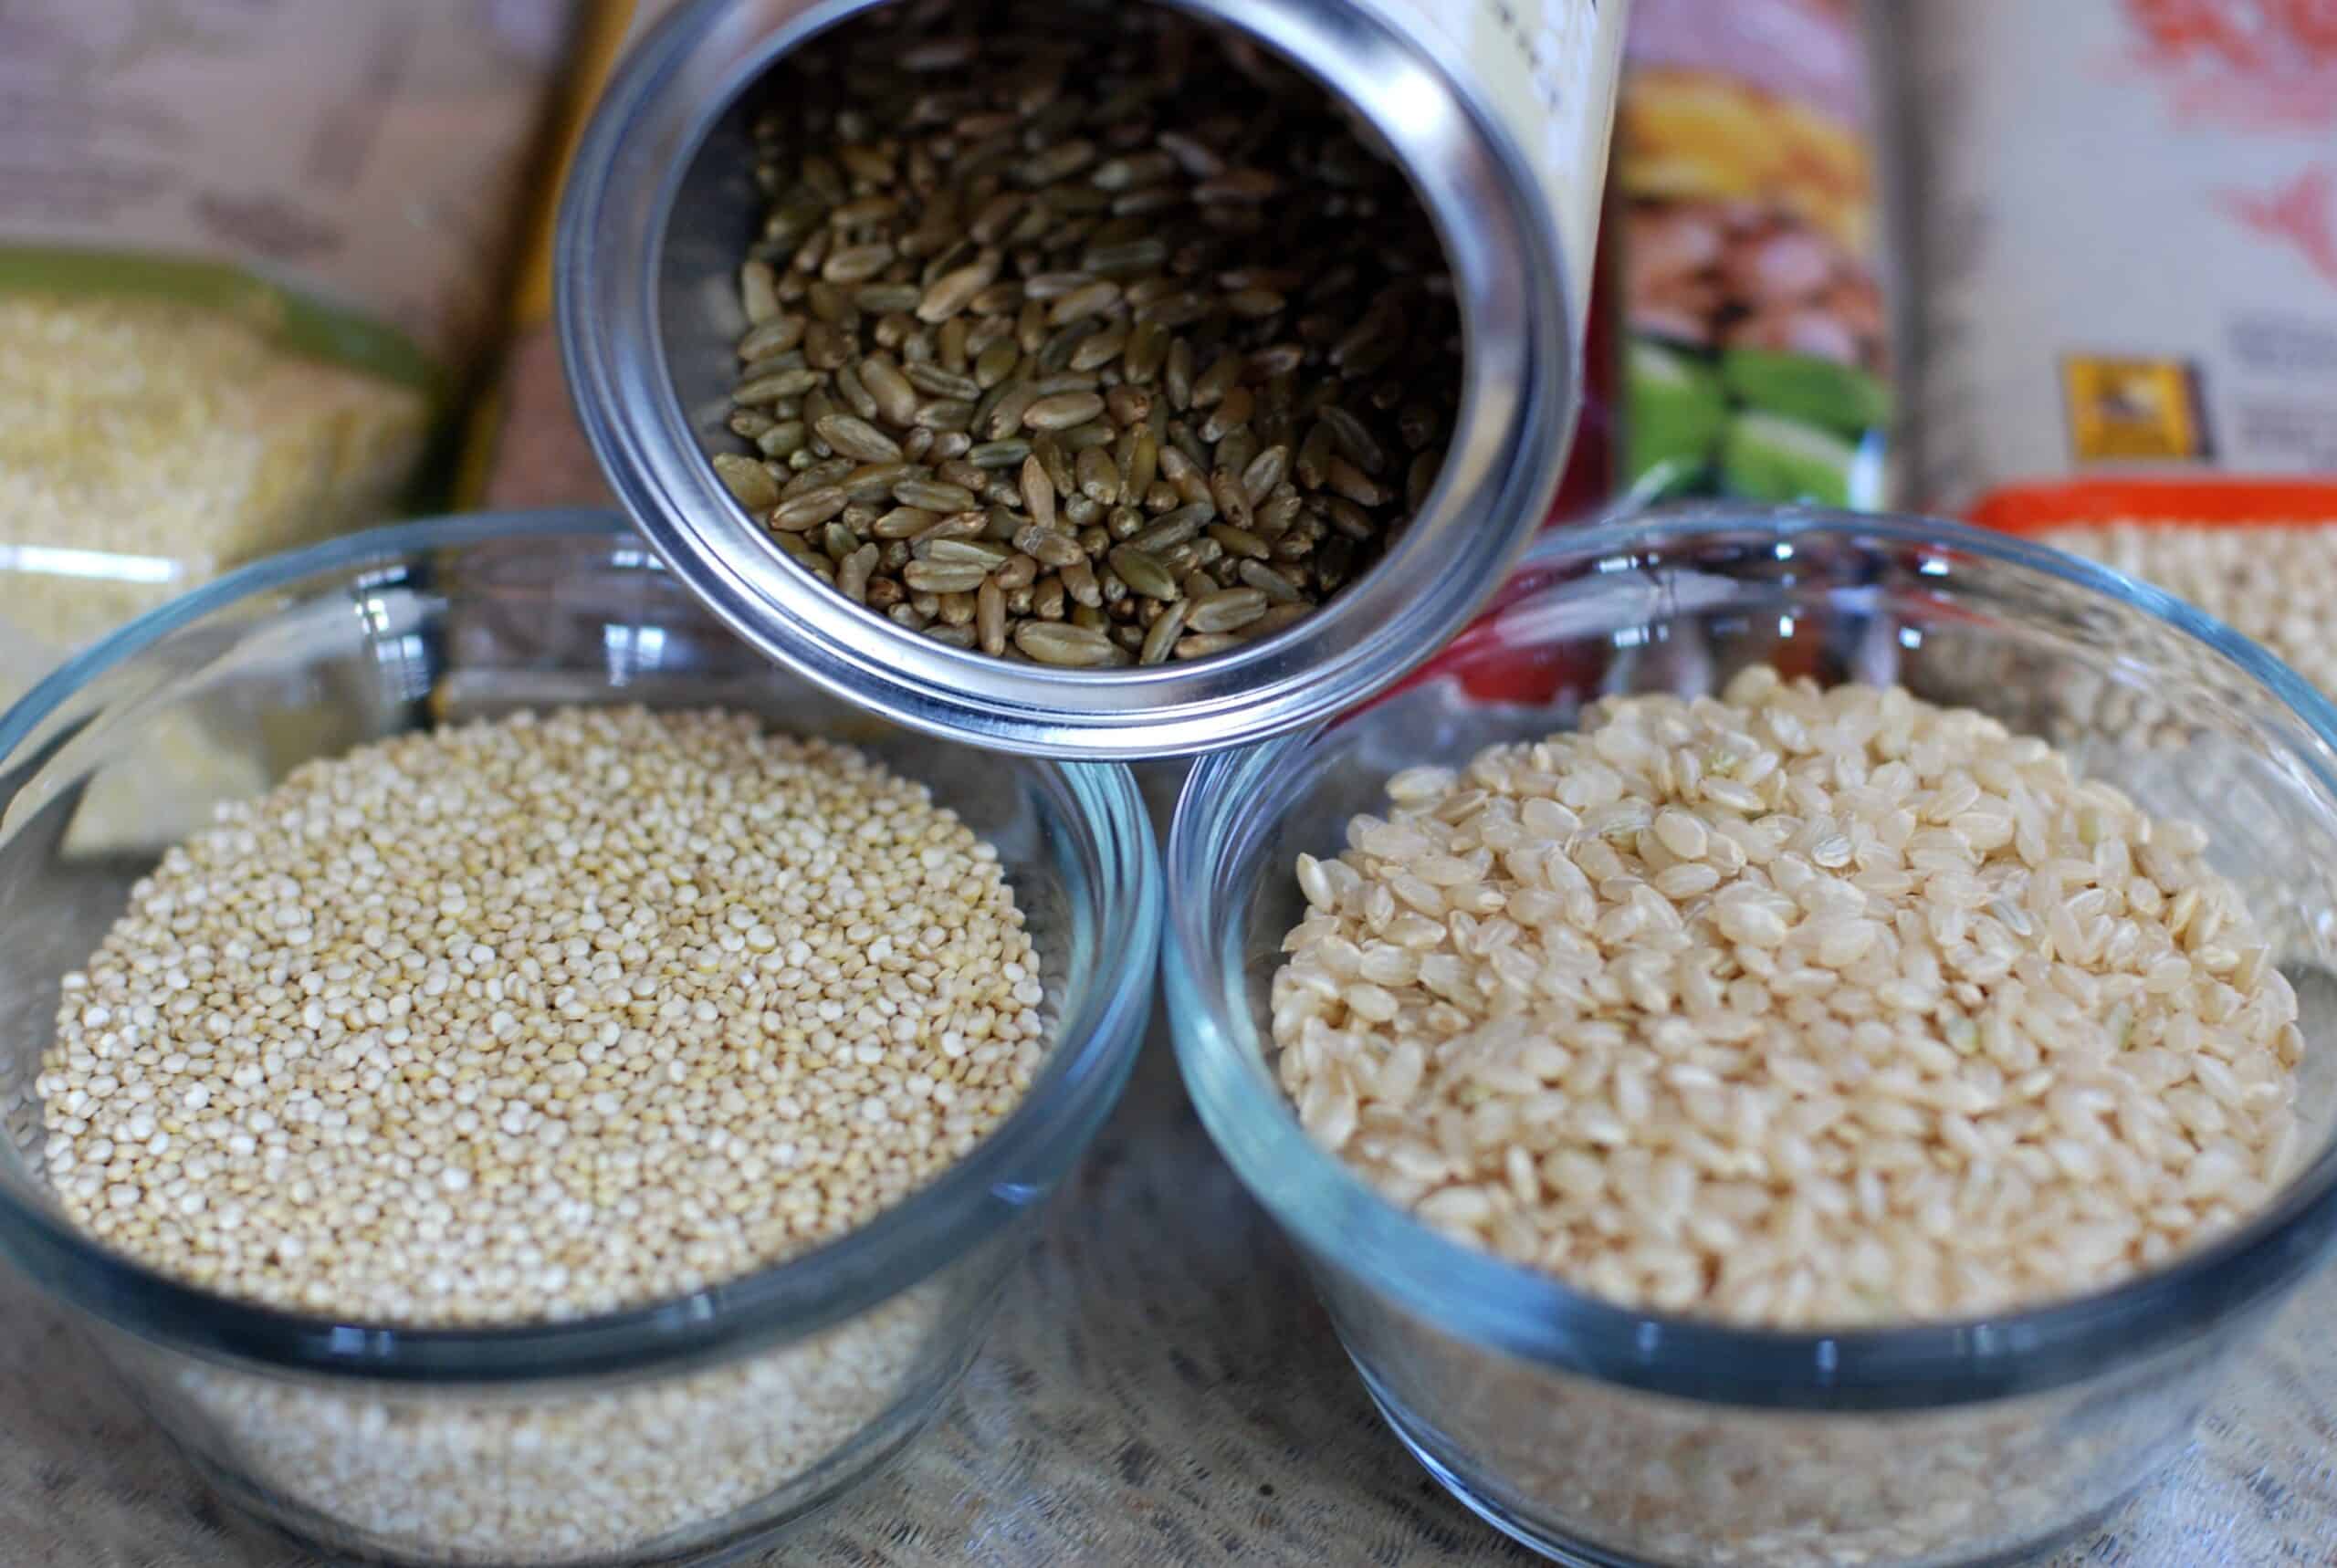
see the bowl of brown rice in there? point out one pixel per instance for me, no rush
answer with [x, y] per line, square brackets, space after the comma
[1766, 1065]
[585, 1107]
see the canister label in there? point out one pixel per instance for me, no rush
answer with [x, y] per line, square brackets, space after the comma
[1549, 68]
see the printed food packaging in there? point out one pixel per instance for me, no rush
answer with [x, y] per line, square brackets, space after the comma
[1747, 225]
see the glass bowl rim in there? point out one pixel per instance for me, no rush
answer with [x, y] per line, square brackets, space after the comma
[1342, 1223]
[1017, 1164]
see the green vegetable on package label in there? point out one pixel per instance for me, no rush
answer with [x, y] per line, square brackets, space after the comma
[1675, 414]
[1818, 392]
[1768, 457]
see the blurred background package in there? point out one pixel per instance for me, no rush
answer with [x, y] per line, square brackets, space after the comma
[1746, 225]
[253, 251]
[2125, 247]
[522, 446]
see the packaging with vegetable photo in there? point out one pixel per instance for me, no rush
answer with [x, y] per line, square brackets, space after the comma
[1746, 222]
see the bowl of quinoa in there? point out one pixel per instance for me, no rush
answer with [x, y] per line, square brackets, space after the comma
[583, 1109]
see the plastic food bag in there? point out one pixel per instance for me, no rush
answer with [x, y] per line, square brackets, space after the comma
[2125, 243]
[2124, 238]
[247, 251]
[2271, 576]
[1746, 224]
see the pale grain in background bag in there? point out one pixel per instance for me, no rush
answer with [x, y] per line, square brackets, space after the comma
[2124, 223]
[248, 252]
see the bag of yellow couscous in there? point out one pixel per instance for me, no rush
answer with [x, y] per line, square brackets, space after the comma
[248, 253]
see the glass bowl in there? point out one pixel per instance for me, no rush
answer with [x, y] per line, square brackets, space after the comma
[671, 1433]
[1603, 1436]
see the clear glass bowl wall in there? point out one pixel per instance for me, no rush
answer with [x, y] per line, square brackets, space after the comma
[1608, 1436]
[668, 1433]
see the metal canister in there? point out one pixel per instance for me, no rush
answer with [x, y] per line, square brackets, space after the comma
[1498, 111]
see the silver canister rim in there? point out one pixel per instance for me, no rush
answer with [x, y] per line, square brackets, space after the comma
[657, 214]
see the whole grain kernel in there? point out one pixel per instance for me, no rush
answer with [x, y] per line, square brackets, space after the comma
[1121, 273]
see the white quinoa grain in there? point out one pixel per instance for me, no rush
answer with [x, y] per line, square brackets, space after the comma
[529, 1019]
[1944, 1029]
[145, 446]
[490, 1001]
[570, 1473]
